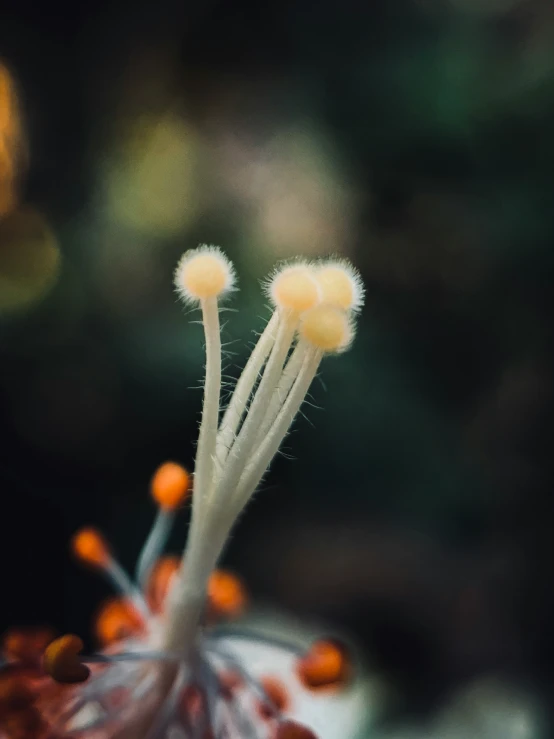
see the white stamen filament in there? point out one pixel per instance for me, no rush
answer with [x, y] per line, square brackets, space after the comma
[187, 595]
[212, 516]
[123, 584]
[231, 462]
[292, 368]
[131, 656]
[186, 599]
[243, 389]
[154, 545]
[269, 446]
[248, 436]
[205, 453]
[165, 713]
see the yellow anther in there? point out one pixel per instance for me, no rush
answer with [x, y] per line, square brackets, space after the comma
[327, 328]
[295, 288]
[89, 547]
[203, 273]
[340, 286]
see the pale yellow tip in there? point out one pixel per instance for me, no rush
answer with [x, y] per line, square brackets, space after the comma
[203, 273]
[327, 328]
[295, 288]
[340, 285]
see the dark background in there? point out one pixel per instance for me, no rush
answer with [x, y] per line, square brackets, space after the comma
[414, 137]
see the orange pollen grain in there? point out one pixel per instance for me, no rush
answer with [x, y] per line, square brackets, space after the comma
[61, 660]
[170, 485]
[160, 581]
[325, 664]
[116, 620]
[226, 595]
[89, 546]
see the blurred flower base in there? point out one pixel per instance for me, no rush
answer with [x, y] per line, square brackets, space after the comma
[348, 713]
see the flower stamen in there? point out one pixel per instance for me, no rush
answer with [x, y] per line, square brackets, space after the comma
[231, 461]
[89, 547]
[170, 487]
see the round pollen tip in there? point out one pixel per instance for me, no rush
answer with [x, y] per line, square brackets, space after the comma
[341, 286]
[89, 546]
[295, 288]
[61, 660]
[327, 328]
[116, 620]
[203, 273]
[170, 485]
[226, 595]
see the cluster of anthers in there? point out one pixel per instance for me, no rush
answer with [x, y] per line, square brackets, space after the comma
[169, 668]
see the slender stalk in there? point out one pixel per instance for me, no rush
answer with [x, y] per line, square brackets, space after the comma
[121, 581]
[267, 449]
[205, 452]
[292, 368]
[213, 516]
[243, 389]
[153, 546]
[187, 596]
[248, 436]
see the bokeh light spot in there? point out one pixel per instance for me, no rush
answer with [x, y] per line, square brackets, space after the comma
[29, 259]
[150, 184]
[295, 195]
[11, 141]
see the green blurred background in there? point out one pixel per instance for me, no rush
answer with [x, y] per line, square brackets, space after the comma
[414, 137]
